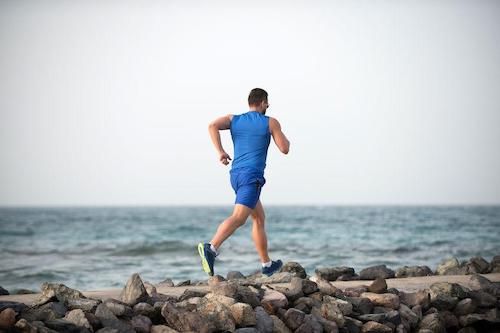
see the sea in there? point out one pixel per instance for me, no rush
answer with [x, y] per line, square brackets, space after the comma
[96, 248]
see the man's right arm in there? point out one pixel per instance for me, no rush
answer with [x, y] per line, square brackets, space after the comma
[219, 124]
[278, 136]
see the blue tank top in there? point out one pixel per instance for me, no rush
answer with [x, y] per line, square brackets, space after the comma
[251, 138]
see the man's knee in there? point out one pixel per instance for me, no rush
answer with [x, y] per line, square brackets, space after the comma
[258, 220]
[239, 219]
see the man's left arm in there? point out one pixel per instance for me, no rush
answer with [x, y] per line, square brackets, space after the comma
[219, 124]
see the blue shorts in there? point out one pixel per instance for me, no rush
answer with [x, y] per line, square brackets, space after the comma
[247, 186]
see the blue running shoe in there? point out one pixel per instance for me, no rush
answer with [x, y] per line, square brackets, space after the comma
[207, 257]
[275, 267]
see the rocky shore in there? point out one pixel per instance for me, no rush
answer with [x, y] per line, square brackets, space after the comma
[289, 301]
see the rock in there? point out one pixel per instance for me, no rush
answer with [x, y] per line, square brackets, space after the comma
[167, 283]
[233, 275]
[25, 291]
[450, 289]
[3, 291]
[282, 277]
[108, 319]
[293, 318]
[246, 330]
[450, 321]
[85, 304]
[16, 306]
[48, 311]
[421, 297]
[378, 317]
[213, 280]
[352, 324]
[225, 300]
[7, 318]
[134, 291]
[433, 323]
[243, 314]
[150, 288]
[408, 317]
[118, 307]
[222, 315]
[183, 283]
[451, 267]
[483, 299]
[387, 300]
[225, 288]
[295, 290]
[465, 307]
[62, 325]
[378, 286]
[273, 300]
[373, 272]
[181, 320]
[189, 293]
[250, 295]
[360, 305]
[495, 264]
[145, 309]
[479, 282]
[295, 268]
[355, 291]
[326, 287]
[468, 329]
[478, 265]
[411, 271]
[305, 304]
[279, 326]
[141, 324]
[265, 323]
[328, 325]
[107, 330]
[374, 327]
[332, 273]
[348, 277]
[54, 291]
[344, 306]
[162, 329]
[309, 287]
[310, 325]
[330, 312]
[78, 318]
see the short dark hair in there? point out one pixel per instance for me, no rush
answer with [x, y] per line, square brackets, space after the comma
[257, 96]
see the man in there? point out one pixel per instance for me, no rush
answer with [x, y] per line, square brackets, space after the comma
[251, 133]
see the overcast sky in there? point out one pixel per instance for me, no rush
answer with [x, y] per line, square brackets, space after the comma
[384, 102]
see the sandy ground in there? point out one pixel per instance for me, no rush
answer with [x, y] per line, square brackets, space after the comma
[405, 284]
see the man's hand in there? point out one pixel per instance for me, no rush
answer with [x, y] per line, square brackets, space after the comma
[224, 157]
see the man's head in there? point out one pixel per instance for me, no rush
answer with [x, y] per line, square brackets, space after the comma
[257, 100]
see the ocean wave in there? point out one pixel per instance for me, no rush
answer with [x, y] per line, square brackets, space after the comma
[166, 247]
[13, 232]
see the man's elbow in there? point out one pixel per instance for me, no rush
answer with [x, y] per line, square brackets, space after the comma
[285, 149]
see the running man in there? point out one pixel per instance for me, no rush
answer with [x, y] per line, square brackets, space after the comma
[251, 133]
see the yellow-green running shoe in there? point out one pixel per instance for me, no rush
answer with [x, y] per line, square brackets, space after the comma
[207, 258]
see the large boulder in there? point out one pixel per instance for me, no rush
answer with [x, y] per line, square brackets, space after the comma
[411, 271]
[433, 323]
[378, 271]
[182, 320]
[333, 273]
[57, 291]
[134, 291]
[295, 268]
[387, 300]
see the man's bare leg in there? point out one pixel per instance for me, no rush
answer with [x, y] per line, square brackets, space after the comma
[233, 222]
[259, 232]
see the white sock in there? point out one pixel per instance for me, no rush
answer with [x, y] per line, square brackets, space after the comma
[213, 249]
[267, 264]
